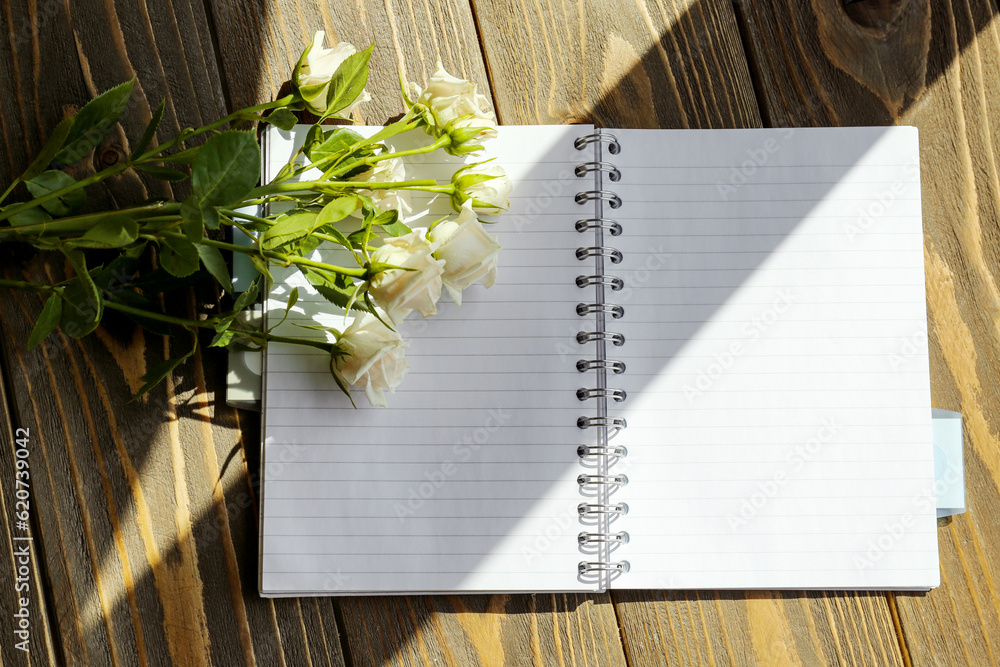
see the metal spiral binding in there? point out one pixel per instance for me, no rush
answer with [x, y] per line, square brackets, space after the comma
[617, 423]
[614, 282]
[618, 395]
[597, 137]
[586, 567]
[616, 339]
[608, 168]
[612, 309]
[583, 509]
[621, 537]
[599, 483]
[583, 451]
[590, 195]
[600, 364]
[617, 480]
[612, 226]
[613, 254]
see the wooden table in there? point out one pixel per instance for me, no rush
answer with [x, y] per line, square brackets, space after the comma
[144, 513]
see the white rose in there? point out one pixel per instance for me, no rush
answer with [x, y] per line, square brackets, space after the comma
[386, 171]
[398, 292]
[470, 254]
[486, 186]
[314, 70]
[372, 357]
[457, 108]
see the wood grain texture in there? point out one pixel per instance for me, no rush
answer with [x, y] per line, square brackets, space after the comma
[543, 629]
[639, 63]
[259, 44]
[145, 509]
[933, 65]
[761, 627]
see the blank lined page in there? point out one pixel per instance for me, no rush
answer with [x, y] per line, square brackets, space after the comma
[467, 482]
[778, 401]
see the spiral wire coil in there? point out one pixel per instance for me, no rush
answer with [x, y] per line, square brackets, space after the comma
[601, 483]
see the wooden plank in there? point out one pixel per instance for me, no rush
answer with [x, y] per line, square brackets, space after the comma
[258, 47]
[259, 44]
[21, 576]
[932, 65]
[543, 629]
[673, 64]
[145, 509]
[677, 63]
[760, 627]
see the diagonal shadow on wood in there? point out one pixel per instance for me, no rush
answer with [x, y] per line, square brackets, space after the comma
[97, 454]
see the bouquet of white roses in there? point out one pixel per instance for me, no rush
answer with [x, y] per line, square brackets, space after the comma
[354, 198]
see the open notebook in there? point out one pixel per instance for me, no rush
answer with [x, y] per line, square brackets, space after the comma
[748, 304]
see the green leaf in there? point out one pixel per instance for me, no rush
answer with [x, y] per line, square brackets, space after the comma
[112, 232]
[293, 298]
[248, 297]
[47, 322]
[314, 137]
[307, 245]
[136, 251]
[52, 181]
[262, 267]
[147, 136]
[298, 223]
[29, 217]
[49, 150]
[340, 295]
[117, 274]
[210, 216]
[223, 338]
[163, 173]
[356, 238]
[333, 142]
[216, 265]
[193, 219]
[348, 82]
[281, 118]
[158, 372]
[337, 210]
[84, 303]
[226, 168]
[339, 235]
[93, 122]
[179, 256]
[391, 224]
